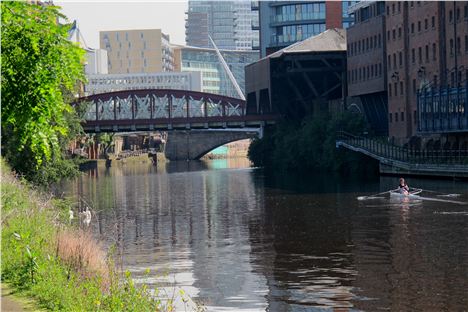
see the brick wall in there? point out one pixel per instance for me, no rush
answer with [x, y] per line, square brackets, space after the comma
[334, 14]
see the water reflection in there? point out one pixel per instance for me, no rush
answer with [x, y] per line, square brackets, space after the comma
[242, 239]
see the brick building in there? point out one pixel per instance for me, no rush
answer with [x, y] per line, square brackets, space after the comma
[424, 50]
[425, 46]
[366, 64]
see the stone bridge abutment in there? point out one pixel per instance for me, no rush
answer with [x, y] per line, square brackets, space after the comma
[193, 144]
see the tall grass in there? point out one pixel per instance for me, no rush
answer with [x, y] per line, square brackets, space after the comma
[64, 268]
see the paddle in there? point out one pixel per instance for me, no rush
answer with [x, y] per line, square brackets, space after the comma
[441, 194]
[371, 196]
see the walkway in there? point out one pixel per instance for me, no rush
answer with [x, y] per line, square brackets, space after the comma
[12, 303]
[399, 160]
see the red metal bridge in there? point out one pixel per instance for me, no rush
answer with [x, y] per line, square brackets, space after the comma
[164, 109]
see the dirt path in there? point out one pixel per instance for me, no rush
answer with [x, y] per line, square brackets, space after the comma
[12, 303]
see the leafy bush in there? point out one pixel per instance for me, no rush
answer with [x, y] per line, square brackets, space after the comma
[308, 145]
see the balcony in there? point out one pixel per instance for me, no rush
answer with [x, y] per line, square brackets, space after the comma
[255, 25]
[299, 17]
[254, 6]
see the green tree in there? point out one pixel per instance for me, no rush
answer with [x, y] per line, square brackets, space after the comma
[41, 70]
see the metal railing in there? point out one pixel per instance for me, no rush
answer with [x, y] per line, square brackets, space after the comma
[403, 154]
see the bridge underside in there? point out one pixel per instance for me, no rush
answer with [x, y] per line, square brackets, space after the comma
[176, 124]
[193, 144]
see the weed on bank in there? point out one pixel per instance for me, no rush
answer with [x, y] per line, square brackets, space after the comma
[62, 267]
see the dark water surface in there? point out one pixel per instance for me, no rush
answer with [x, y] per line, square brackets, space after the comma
[238, 239]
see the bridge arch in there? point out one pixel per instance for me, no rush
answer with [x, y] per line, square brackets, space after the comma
[193, 144]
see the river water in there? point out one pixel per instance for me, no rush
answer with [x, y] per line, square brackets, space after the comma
[236, 238]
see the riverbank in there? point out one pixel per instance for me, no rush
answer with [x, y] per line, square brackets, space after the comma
[46, 256]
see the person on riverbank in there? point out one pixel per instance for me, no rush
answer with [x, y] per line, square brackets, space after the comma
[403, 188]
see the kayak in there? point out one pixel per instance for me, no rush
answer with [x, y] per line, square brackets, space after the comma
[412, 194]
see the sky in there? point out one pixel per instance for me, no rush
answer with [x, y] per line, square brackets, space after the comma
[95, 16]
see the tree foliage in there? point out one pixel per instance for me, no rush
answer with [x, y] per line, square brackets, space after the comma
[308, 145]
[41, 70]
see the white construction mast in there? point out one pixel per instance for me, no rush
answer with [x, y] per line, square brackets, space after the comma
[228, 71]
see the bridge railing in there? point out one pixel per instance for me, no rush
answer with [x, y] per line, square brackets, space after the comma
[408, 155]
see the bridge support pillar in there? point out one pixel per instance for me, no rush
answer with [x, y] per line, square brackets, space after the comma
[193, 144]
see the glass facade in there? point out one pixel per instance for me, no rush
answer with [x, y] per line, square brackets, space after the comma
[214, 78]
[229, 23]
[293, 33]
[283, 23]
[300, 12]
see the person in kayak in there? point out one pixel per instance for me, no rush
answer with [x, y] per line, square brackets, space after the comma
[403, 188]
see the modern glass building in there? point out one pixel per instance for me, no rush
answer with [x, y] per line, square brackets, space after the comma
[229, 23]
[283, 23]
[214, 77]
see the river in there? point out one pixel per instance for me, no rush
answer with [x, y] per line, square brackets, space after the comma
[236, 238]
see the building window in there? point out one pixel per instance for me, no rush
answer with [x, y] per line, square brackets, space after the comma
[458, 45]
[433, 22]
[458, 14]
[451, 46]
[394, 61]
[388, 10]
[426, 25]
[371, 43]
[414, 86]
[380, 69]
[389, 62]
[388, 35]
[420, 54]
[389, 89]
[367, 44]
[395, 85]
[450, 16]
[390, 117]
[413, 56]
[401, 87]
[419, 25]
[399, 6]
[380, 40]
[434, 52]
[412, 28]
[126, 36]
[394, 34]
[427, 53]
[466, 43]
[399, 32]
[402, 116]
[400, 58]
[411, 4]
[435, 81]
[393, 8]
[396, 117]
[466, 11]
